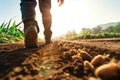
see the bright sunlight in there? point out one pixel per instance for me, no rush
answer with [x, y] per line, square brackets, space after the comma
[71, 16]
[74, 15]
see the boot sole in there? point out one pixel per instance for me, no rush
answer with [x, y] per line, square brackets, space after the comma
[31, 39]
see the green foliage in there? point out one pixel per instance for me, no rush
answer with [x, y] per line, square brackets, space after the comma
[10, 32]
[96, 29]
[101, 35]
[96, 32]
[109, 29]
[117, 28]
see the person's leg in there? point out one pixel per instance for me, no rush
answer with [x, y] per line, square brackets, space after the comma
[45, 6]
[30, 24]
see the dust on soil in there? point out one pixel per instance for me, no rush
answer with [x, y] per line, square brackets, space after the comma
[54, 61]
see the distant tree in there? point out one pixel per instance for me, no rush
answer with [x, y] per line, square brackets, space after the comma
[86, 30]
[117, 28]
[109, 29]
[97, 29]
[71, 33]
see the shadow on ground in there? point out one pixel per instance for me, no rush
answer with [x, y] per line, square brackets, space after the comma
[15, 59]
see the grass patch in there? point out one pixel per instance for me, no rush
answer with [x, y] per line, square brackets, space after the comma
[10, 32]
[46, 68]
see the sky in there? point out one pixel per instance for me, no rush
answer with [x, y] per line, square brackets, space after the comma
[73, 15]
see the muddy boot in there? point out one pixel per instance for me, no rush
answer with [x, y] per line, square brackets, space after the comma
[31, 36]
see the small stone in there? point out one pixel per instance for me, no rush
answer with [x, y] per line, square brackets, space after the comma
[98, 60]
[76, 57]
[88, 65]
[107, 71]
[19, 77]
[17, 69]
[67, 74]
[93, 78]
[73, 51]
[85, 56]
[67, 54]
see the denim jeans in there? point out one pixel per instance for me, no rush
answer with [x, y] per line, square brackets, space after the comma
[28, 14]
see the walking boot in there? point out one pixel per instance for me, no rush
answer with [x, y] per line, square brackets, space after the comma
[31, 36]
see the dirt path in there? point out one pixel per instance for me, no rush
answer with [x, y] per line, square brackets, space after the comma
[57, 61]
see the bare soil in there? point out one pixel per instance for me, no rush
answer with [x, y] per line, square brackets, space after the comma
[55, 61]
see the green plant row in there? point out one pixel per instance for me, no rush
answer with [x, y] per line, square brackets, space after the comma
[95, 32]
[100, 35]
[93, 36]
[10, 32]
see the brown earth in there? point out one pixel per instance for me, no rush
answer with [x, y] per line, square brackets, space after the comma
[56, 61]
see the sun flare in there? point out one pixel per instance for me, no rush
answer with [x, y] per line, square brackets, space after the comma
[71, 16]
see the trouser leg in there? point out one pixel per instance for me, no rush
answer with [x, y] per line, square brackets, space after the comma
[45, 6]
[28, 13]
[30, 24]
